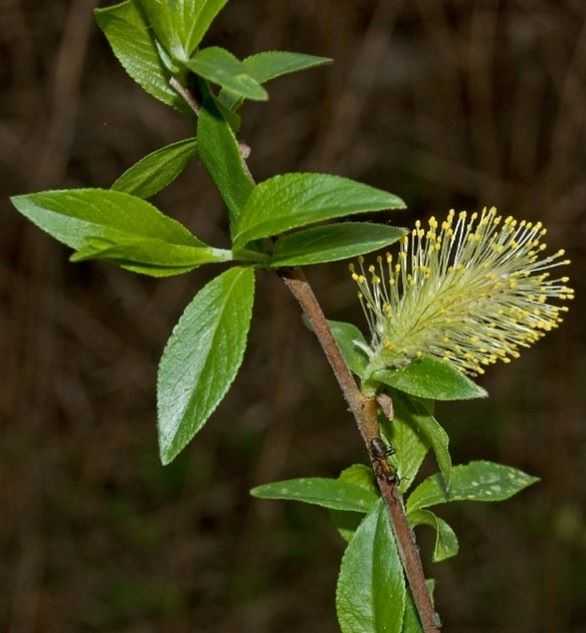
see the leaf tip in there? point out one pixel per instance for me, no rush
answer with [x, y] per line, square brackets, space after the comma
[167, 454]
[16, 201]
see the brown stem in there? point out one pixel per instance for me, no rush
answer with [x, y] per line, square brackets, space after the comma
[365, 412]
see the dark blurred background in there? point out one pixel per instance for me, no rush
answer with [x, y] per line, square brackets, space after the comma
[448, 103]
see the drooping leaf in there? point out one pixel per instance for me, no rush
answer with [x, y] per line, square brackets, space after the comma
[476, 481]
[158, 170]
[406, 438]
[151, 257]
[335, 494]
[181, 24]
[220, 153]
[269, 65]
[370, 596]
[432, 378]
[332, 243]
[352, 344]
[446, 541]
[221, 67]
[133, 45]
[202, 358]
[290, 201]
[77, 215]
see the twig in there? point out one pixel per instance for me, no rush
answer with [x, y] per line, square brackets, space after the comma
[193, 103]
[185, 94]
[365, 412]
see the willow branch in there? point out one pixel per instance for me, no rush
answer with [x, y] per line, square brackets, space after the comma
[365, 411]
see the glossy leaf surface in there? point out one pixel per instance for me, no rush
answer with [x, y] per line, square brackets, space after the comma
[269, 65]
[151, 257]
[134, 46]
[432, 378]
[294, 200]
[370, 596]
[181, 24]
[220, 152]
[334, 242]
[221, 67]
[158, 170]
[75, 216]
[202, 358]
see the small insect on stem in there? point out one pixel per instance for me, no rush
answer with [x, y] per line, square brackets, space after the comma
[380, 449]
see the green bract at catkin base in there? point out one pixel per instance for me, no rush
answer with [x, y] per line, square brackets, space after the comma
[473, 291]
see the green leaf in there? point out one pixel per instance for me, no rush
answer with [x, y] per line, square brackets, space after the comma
[446, 541]
[476, 481]
[158, 170]
[233, 119]
[438, 440]
[370, 596]
[292, 200]
[405, 435]
[429, 430]
[335, 494]
[155, 258]
[352, 344]
[269, 65]
[430, 584]
[220, 153]
[411, 622]
[347, 522]
[360, 475]
[432, 378]
[207, 13]
[134, 47]
[75, 216]
[202, 358]
[332, 243]
[221, 67]
[181, 24]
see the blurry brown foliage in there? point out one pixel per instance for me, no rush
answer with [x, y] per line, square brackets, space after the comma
[448, 103]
